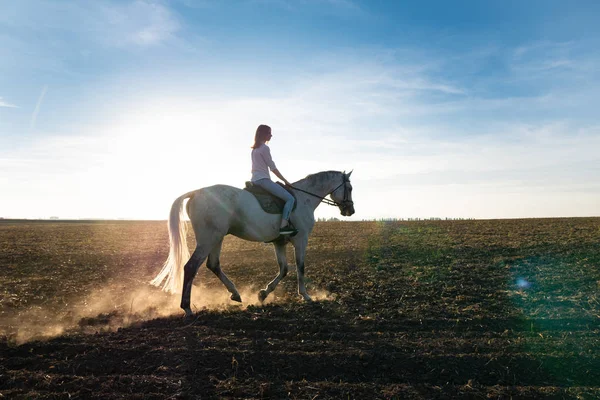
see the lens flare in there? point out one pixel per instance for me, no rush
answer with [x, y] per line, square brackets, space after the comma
[523, 283]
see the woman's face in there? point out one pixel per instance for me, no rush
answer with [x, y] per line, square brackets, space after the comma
[268, 136]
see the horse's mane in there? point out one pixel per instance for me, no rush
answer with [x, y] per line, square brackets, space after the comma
[319, 177]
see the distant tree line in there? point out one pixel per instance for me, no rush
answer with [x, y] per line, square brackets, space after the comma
[401, 219]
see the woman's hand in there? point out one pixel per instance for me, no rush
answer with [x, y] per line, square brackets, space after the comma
[278, 174]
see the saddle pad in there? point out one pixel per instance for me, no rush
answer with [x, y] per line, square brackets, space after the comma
[271, 204]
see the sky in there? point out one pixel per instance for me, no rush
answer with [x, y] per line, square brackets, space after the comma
[461, 109]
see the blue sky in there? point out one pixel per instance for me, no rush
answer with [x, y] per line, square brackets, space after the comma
[473, 109]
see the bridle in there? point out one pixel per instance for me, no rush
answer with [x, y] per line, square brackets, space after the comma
[345, 202]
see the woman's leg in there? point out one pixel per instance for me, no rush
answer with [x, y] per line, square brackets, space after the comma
[277, 190]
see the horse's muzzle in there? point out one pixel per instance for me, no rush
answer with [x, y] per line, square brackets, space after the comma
[347, 208]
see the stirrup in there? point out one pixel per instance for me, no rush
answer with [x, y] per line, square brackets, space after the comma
[288, 230]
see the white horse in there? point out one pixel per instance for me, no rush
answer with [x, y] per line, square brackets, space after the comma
[219, 210]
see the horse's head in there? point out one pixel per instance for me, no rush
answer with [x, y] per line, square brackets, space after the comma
[342, 195]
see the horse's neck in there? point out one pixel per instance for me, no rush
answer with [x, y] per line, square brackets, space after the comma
[320, 186]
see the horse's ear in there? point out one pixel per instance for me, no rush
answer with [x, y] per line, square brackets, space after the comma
[349, 173]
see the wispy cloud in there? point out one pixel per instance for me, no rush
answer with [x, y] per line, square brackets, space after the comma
[33, 120]
[330, 7]
[203, 4]
[136, 23]
[345, 4]
[6, 104]
[140, 23]
[543, 56]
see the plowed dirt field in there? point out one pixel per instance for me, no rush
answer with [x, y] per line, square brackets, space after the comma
[407, 310]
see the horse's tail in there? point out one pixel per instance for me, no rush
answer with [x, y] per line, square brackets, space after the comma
[170, 277]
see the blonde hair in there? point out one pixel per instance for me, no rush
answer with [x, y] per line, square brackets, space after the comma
[262, 133]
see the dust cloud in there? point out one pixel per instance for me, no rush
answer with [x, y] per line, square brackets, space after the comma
[118, 305]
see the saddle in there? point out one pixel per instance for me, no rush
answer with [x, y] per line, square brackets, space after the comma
[271, 204]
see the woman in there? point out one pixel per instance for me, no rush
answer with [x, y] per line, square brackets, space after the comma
[261, 163]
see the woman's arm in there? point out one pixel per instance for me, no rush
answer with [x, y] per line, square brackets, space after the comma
[269, 161]
[278, 174]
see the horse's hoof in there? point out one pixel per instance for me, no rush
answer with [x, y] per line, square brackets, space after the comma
[188, 313]
[236, 297]
[262, 295]
[306, 298]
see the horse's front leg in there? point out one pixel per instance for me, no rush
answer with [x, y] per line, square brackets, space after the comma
[283, 270]
[300, 251]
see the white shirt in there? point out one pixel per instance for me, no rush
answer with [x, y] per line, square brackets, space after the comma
[261, 162]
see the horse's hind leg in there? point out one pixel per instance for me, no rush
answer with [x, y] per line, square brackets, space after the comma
[300, 250]
[283, 270]
[214, 265]
[190, 269]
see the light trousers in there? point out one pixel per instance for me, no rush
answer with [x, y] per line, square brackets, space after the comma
[276, 190]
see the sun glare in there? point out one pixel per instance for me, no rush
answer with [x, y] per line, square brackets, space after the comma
[159, 154]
